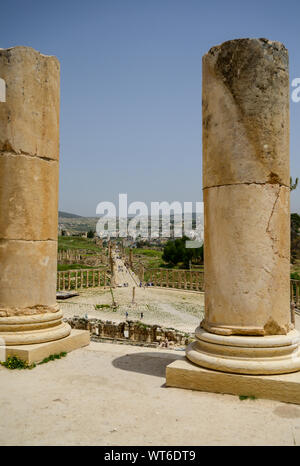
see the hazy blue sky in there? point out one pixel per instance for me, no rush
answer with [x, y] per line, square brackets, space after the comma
[131, 87]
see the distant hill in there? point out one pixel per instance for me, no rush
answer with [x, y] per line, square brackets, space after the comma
[68, 215]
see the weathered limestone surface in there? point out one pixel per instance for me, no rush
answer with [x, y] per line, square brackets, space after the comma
[246, 187]
[36, 352]
[246, 113]
[30, 117]
[2, 90]
[28, 273]
[28, 209]
[137, 332]
[283, 387]
[247, 327]
[272, 354]
[247, 263]
[29, 151]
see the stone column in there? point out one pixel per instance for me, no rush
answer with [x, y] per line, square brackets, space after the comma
[113, 272]
[29, 152]
[247, 326]
[142, 273]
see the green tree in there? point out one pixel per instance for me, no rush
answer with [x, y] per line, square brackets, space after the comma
[295, 237]
[295, 228]
[90, 234]
[175, 252]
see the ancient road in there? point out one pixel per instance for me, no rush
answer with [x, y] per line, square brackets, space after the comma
[124, 274]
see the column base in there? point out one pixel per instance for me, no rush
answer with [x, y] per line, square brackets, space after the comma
[34, 328]
[37, 352]
[276, 354]
[283, 387]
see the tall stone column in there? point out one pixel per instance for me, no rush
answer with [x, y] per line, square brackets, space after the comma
[247, 326]
[142, 272]
[130, 258]
[113, 271]
[29, 153]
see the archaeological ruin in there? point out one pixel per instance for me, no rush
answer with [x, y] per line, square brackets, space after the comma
[29, 167]
[133, 332]
[248, 327]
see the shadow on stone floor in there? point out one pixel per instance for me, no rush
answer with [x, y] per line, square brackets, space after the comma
[146, 363]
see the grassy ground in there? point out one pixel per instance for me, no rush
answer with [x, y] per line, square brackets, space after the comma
[295, 270]
[152, 259]
[73, 242]
[77, 243]
[63, 267]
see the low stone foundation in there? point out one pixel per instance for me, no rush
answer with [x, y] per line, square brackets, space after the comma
[37, 352]
[281, 387]
[131, 332]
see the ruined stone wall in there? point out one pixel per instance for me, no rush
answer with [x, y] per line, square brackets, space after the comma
[134, 332]
[85, 257]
